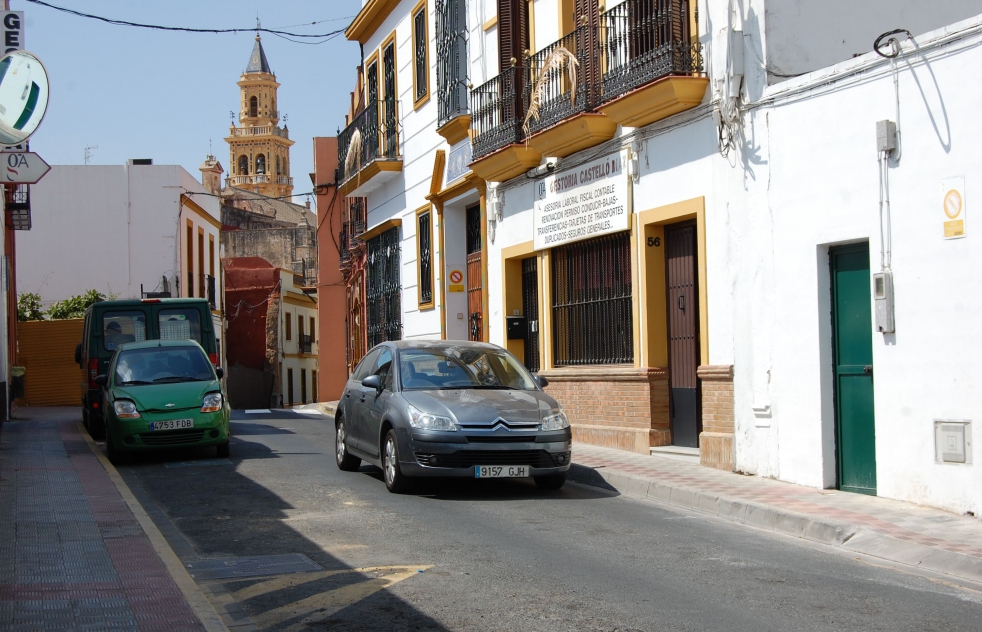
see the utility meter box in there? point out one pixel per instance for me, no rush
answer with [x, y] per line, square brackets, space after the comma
[516, 327]
[953, 441]
[883, 299]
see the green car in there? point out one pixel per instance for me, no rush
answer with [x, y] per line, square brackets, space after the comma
[163, 394]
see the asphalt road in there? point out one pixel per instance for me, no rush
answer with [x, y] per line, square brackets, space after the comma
[499, 555]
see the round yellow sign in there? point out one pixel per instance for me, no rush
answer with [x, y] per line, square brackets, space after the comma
[952, 204]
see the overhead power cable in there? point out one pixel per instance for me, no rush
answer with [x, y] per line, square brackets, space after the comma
[185, 29]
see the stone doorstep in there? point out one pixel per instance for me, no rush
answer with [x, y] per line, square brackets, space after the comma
[839, 534]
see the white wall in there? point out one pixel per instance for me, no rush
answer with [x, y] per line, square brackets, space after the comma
[804, 35]
[108, 228]
[815, 183]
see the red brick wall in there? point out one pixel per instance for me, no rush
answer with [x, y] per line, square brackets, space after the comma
[716, 439]
[614, 406]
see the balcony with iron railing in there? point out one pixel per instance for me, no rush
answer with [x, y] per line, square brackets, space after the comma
[306, 343]
[368, 149]
[496, 127]
[637, 65]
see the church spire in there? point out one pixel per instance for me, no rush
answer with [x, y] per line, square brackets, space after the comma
[257, 61]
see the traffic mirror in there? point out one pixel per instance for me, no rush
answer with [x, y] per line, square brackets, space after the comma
[23, 96]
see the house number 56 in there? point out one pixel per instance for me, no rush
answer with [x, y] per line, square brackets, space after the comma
[654, 241]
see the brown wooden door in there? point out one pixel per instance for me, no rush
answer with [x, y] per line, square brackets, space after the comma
[683, 332]
[475, 284]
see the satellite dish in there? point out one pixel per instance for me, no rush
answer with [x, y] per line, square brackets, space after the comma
[23, 96]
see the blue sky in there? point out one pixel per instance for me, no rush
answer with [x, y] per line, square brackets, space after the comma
[138, 93]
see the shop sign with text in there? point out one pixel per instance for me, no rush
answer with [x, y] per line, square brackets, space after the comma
[583, 202]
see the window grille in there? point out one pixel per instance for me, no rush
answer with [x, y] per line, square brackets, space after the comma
[419, 48]
[425, 243]
[591, 302]
[384, 288]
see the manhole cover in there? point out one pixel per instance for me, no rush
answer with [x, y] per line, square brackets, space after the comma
[232, 567]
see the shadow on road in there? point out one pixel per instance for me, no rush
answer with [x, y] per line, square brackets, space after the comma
[208, 510]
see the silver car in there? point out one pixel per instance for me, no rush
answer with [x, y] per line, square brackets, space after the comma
[450, 408]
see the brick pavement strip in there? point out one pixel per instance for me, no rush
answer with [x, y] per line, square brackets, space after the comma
[900, 532]
[74, 552]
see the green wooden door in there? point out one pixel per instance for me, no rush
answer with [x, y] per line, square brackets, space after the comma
[852, 332]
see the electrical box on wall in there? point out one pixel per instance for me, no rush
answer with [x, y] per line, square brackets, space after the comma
[883, 299]
[953, 441]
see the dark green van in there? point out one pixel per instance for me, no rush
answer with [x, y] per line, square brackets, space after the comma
[109, 324]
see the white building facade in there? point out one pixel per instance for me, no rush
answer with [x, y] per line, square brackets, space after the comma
[133, 231]
[688, 246]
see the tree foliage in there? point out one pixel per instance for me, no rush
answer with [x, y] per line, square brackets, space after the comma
[75, 306]
[29, 307]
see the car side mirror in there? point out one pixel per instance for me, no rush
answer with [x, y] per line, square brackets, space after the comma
[220, 372]
[102, 380]
[372, 381]
[541, 381]
[78, 354]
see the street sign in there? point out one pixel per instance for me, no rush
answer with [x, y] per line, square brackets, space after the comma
[22, 167]
[11, 31]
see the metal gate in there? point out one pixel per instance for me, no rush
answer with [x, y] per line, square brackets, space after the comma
[530, 307]
[683, 338]
[475, 269]
[384, 288]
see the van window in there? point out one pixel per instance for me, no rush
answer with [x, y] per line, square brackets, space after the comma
[122, 327]
[180, 324]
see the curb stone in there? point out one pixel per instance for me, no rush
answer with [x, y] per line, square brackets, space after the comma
[842, 535]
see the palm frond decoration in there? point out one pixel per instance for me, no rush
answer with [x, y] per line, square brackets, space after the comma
[558, 59]
[352, 159]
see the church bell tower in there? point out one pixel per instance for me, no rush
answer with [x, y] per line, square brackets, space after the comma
[259, 150]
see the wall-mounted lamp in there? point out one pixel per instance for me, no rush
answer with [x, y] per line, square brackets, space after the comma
[633, 164]
[496, 204]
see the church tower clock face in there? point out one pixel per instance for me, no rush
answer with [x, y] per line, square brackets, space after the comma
[259, 147]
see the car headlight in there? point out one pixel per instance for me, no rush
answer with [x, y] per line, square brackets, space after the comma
[212, 403]
[125, 409]
[555, 421]
[425, 421]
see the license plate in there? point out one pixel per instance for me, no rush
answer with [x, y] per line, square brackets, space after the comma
[501, 471]
[172, 424]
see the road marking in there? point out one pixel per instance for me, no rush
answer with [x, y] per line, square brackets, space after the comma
[257, 411]
[324, 604]
[307, 411]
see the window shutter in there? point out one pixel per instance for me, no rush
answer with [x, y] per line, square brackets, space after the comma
[513, 31]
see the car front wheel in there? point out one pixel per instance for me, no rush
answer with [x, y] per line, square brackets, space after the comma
[395, 480]
[345, 460]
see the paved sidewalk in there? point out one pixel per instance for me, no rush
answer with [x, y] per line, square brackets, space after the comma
[73, 556]
[887, 529]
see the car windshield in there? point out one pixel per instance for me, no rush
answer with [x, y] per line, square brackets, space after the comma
[462, 367]
[160, 365]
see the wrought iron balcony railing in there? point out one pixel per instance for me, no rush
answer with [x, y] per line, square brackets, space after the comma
[645, 40]
[551, 90]
[636, 43]
[377, 129]
[306, 343]
[496, 112]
